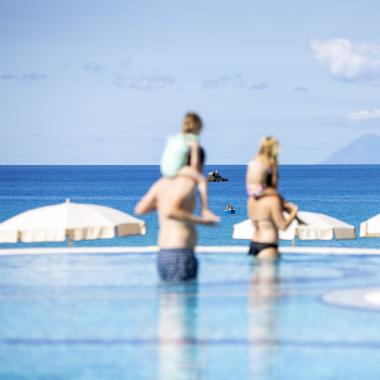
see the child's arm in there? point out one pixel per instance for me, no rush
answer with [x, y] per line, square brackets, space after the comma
[203, 192]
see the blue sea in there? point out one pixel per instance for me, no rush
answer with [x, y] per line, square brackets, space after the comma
[350, 193]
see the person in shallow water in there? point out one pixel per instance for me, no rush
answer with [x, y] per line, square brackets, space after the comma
[265, 204]
[174, 200]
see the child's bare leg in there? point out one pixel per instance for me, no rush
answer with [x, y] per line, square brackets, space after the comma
[203, 193]
[190, 172]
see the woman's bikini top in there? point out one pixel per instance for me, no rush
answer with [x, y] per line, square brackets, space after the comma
[266, 220]
[256, 222]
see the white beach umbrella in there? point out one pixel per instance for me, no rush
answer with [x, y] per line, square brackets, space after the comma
[370, 227]
[72, 221]
[314, 226]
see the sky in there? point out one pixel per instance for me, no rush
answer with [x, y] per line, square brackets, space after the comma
[105, 82]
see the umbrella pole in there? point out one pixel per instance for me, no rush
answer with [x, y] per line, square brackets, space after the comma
[294, 242]
[70, 242]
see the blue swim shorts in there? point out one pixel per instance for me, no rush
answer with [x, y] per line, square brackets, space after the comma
[178, 264]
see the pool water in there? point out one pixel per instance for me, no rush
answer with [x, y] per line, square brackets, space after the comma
[108, 317]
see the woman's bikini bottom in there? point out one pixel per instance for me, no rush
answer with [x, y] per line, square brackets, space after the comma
[255, 247]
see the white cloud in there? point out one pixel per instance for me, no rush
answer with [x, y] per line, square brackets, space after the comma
[93, 66]
[28, 77]
[259, 86]
[146, 83]
[8, 76]
[236, 80]
[373, 114]
[301, 89]
[34, 76]
[347, 60]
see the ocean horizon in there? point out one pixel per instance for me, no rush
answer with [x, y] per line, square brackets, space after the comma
[208, 165]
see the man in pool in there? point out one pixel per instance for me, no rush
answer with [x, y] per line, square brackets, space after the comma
[174, 200]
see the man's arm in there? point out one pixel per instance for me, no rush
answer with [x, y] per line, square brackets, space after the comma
[148, 203]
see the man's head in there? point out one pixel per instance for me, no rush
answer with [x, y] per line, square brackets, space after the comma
[202, 158]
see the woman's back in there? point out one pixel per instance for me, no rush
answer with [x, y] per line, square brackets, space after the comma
[261, 214]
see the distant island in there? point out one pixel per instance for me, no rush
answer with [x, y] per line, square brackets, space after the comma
[363, 150]
[214, 176]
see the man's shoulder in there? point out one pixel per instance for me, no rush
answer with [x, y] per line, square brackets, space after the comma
[183, 182]
[190, 173]
[162, 182]
[186, 180]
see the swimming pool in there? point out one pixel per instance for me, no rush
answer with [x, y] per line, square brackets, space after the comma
[106, 316]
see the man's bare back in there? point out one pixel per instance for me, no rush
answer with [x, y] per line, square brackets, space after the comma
[174, 200]
[176, 233]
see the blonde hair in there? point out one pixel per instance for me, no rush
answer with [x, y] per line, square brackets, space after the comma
[192, 123]
[269, 148]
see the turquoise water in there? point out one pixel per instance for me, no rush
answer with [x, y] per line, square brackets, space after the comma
[108, 317]
[351, 193]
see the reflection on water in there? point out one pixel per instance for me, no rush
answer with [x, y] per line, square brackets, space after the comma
[263, 312]
[178, 355]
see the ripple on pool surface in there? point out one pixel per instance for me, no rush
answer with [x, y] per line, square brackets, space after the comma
[357, 298]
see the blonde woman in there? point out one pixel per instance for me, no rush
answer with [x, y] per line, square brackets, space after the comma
[265, 205]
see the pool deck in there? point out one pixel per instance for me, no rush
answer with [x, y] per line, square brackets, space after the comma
[199, 250]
